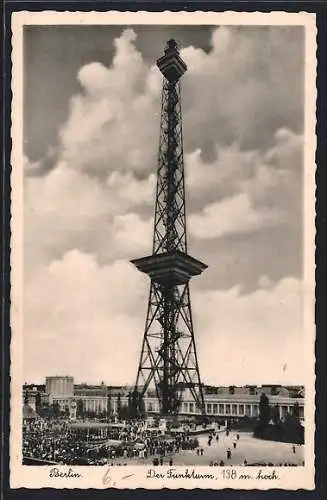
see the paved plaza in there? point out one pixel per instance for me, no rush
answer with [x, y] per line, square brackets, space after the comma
[253, 450]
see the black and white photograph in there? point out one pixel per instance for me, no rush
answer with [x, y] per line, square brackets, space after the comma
[163, 250]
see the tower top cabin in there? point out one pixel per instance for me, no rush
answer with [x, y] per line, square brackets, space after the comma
[171, 64]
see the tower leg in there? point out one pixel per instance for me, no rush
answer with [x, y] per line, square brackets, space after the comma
[168, 362]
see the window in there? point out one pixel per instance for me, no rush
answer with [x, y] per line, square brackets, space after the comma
[255, 410]
[215, 408]
[221, 409]
[241, 409]
[248, 410]
[227, 409]
[191, 407]
[234, 409]
[185, 406]
[209, 408]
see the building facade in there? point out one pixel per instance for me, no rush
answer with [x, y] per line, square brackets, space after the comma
[220, 402]
[60, 386]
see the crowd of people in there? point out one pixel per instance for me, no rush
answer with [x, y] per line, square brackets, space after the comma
[59, 442]
[50, 441]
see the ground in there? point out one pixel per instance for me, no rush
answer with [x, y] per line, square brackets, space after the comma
[255, 451]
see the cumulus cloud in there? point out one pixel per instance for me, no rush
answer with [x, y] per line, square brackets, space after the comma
[236, 331]
[223, 173]
[94, 207]
[255, 171]
[88, 324]
[113, 123]
[246, 68]
[131, 234]
[233, 215]
[255, 187]
[96, 313]
[67, 209]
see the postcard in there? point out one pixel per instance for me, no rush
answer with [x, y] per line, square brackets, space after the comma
[162, 251]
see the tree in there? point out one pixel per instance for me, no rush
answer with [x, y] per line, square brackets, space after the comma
[118, 405]
[130, 404]
[264, 410]
[136, 404]
[109, 409]
[55, 409]
[264, 416]
[292, 426]
[79, 408]
[296, 412]
[44, 411]
[124, 413]
[142, 407]
[275, 414]
[38, 402]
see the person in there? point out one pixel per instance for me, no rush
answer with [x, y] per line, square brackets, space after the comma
[201, 451]
[237, 437]
[161, 461]
[197, 451]
[245, 462]
[217, 438]
[234, 444]
[294, 449]
[221, 463]
[229, 453]
[211, 464]
[170, 462]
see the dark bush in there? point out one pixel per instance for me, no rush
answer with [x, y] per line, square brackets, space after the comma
[286, 432]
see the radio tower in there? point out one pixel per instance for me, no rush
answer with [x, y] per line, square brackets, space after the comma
[168, 361]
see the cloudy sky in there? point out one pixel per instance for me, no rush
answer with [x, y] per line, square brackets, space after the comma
[91, 128]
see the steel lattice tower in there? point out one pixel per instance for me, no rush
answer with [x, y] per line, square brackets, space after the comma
[168, 360]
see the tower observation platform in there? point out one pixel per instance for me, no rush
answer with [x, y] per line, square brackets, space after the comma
[176, 268]
[168, 360]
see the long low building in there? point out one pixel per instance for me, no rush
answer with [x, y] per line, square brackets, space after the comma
[220, 402]
[233, 406]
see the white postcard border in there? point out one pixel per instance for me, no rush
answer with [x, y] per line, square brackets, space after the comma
[290, 478]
